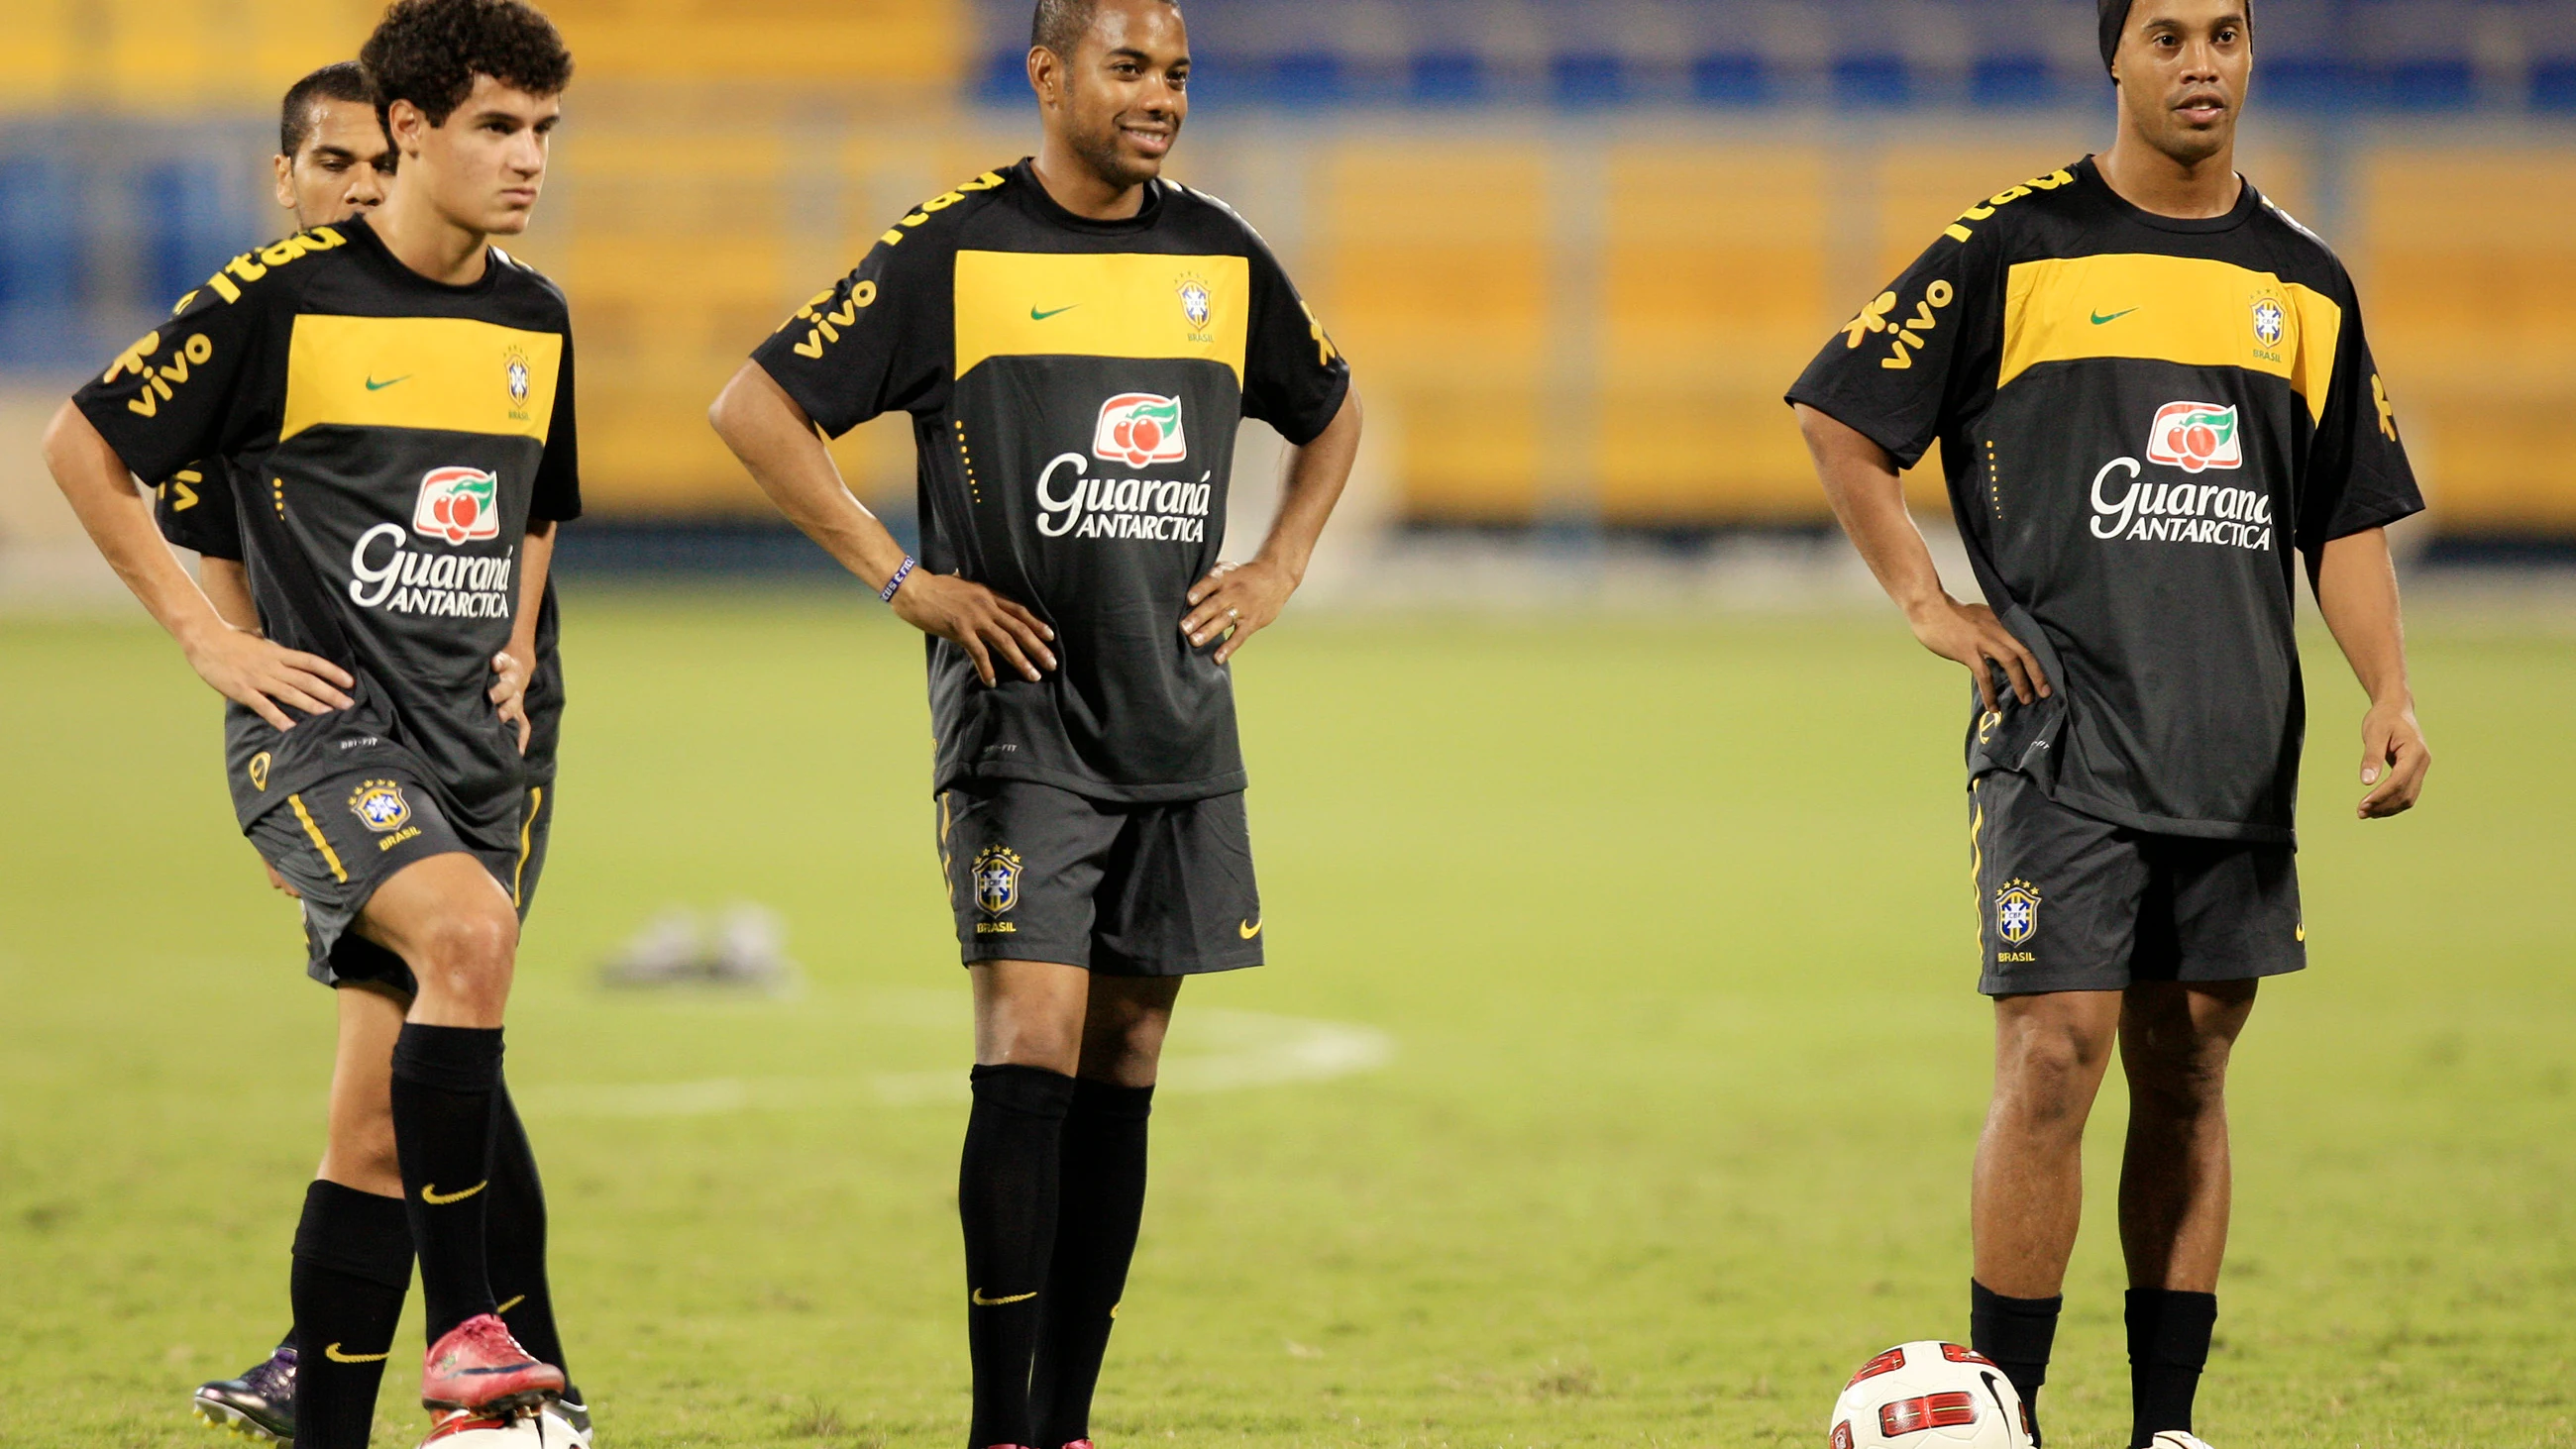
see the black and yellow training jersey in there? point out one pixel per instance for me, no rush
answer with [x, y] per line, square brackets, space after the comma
[2140, 416]
[196, 510]
[1075, 388]
[387, 440]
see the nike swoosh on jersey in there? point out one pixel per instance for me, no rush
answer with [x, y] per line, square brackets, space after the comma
[1037, 316]
[333, 1353]
[976, 1297]
[2099, 319]
[1248, 929]
[375, 386]
[430, 1194]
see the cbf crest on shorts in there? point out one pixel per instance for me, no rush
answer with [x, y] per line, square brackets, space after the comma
[380, 806]
[2017, 912]
[997, 879]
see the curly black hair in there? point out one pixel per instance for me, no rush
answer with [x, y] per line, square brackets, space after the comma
[428, 52]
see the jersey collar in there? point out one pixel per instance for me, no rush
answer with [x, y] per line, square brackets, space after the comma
[2248, 201]
[1026, 174]
[375, 248]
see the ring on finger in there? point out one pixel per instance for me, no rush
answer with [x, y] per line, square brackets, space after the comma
[1234, 613]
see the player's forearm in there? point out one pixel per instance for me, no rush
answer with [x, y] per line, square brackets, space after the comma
[1315, 477]
[226, 584]
[777, 445]
[1868, 499]
[102, 494]
[2356, 584]
[536, 565]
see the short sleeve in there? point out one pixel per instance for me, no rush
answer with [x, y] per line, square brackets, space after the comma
[196, 511]
[1294, 378]
[874, 342]
[557, 498]
[1889, 373]
[2358, 477]
[177, 395]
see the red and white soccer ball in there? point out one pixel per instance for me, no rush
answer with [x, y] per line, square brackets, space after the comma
[1929, 1395]
[544, 1429]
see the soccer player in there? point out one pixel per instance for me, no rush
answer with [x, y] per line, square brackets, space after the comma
[405, 391]
[353, 1258]
[2150, 385]
[1075, 339]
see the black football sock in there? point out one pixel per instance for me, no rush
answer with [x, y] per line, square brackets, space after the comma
[352, 1269]
[1102, 1201]
[514, 1234]
[1006, 1199]
[2168, 1347]
[2017, 1334]
[445, 1078]
[289, 1341]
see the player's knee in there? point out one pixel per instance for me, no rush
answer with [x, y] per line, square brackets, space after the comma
[2048, 1072]
[2184, 1078]
[366, 1147]
[469, 953]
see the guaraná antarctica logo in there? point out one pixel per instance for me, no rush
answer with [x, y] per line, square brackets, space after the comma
[1137, 428]
[459, 505]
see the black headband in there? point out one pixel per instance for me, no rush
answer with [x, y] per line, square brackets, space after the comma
[2115, 18]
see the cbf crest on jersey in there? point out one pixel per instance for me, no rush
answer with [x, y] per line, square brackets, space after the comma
[380, 806]
[997, 879]
[2271, 321]
[2017, 912]
[1197, 303]
[515, 375]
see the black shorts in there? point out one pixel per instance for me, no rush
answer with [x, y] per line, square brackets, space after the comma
[2070, 903]
[340, 840]
[1040, 874]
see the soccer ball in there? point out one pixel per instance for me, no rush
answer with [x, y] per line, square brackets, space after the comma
[461, 1430]
[1929, 1395]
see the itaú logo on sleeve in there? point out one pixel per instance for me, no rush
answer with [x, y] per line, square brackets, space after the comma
[1137, 428]
[459, 505]
[2192, 436]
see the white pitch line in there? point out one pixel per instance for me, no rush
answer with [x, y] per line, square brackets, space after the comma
[1226, 1051]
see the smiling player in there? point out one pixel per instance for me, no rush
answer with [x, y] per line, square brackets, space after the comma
[1076, 340]
[405, 391]
[2150, 386]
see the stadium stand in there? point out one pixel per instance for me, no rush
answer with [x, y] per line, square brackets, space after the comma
[1575, 250]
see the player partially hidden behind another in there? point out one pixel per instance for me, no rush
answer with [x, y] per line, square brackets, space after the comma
[1076, 340]
[2149, 386]
[353, 1258]
[399, 395]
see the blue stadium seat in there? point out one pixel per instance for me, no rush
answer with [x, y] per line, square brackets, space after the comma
[1585, 81]
[1730, 79]
[40, 259]
[2314, 83]
[2430, 85]
[1449, 78]
[2553, 85]
[1872, 82]
[188, 223]
[1003, 79]
[2013, 80]
[1307, 78]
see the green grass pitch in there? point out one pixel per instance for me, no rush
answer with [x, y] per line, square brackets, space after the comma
[1668, 923]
